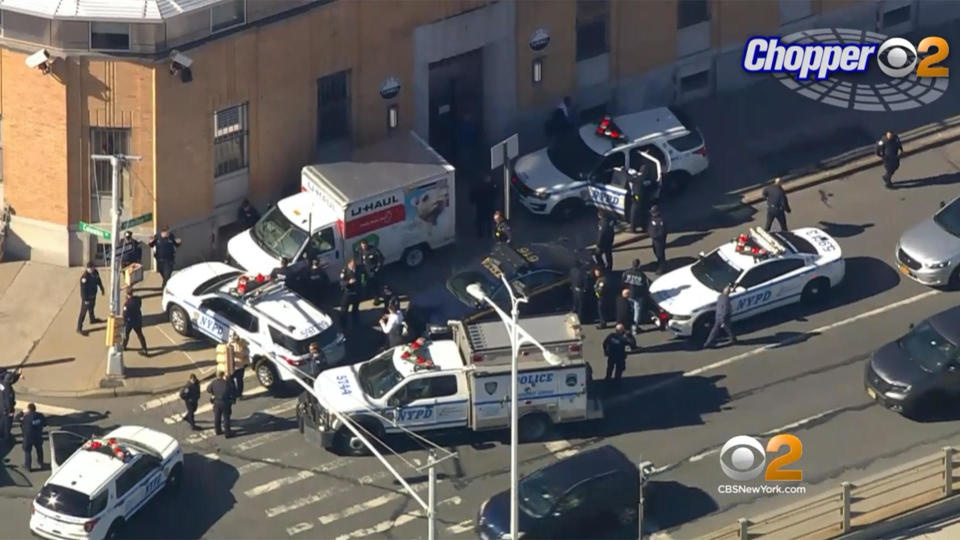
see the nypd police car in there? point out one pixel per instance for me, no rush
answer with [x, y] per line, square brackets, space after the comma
[578, 168]
[98, 484]
[213, 299]
[765, 271]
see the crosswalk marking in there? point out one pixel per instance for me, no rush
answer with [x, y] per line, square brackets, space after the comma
[207, 407]
[303, 526]
[49, 410]
[262, 439]
[402, 519]
[256, 465]
[462, 527]
[293, 479]
[561, 449]
[323, 494]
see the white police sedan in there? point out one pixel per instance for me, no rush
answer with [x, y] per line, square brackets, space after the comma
[765, 271]
[98, 484]
[213, 299]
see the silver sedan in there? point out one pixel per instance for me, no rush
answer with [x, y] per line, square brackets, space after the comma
[929, 252]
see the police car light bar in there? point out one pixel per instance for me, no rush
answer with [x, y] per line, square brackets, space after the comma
[607, 128]
[767, 241]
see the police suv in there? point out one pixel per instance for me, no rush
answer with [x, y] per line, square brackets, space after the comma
[214, 299]
[578, 168]
[98, 484]
[765, 270]
[463, 382]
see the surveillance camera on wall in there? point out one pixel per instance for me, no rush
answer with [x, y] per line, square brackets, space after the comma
[40, 60]
[180, 59]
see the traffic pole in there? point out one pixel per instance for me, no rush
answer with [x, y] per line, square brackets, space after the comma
[506, 181]
[432, 497]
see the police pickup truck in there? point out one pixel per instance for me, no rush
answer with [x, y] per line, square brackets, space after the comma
[462, 382]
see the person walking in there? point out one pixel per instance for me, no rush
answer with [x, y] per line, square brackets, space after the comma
[501, 228]
[639, 287]
[778, 206]
[371, 262]
[89, 283]
[605, 234]
[578, 289]
[483, 197]
[391, 324]
[615, 349]
[657, 231]
[165, 251]
[247, 215]
[32, 425]
[190, 394]
[721, 320]
[350, 293]
[600, 292]
[889, 150]
[133, 321]
[223, 395]
[241, 359]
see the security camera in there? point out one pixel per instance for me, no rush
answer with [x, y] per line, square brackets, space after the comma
[180, 60]
[39, 60]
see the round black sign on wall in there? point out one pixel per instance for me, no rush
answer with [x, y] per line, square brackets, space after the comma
[539, 40]
[390, 88]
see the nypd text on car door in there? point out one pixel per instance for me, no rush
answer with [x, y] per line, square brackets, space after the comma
[429, 402]
[147, 479]
[211, 322]
[768, 286]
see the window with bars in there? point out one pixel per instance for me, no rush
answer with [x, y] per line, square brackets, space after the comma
[691, 12]
[333, 106]
[106, 141]
[593, 19]
[230, 132]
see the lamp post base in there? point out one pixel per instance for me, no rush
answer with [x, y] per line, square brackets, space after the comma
[115, 363]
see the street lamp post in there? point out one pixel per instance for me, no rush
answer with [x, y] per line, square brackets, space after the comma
[513, 328]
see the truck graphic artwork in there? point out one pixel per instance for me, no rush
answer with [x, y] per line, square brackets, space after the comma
[753, 300]
[385, 202]
[415, 413]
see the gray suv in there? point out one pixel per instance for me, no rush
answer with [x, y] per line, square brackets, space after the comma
[929, 252]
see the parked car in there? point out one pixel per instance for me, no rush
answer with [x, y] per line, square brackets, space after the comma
[929, 252]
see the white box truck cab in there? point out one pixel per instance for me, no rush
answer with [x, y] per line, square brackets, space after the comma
[458, 383]
[398, 194]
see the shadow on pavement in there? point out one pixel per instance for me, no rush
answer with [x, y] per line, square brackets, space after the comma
[940, 180]
[843, 230]
[668, 504]
[78, 421]
[26, 367]
[139, 372]
[259, 422]
[205, 497]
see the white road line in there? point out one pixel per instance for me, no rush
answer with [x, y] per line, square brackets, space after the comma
[261, 440]
[293, 479]
[207, 407]
[368, 505]
[49, 410]
[561, 449]
[257, 465]
[323, 494]
[462, 527]
[303, 526]
[402, 519]
[161, 401]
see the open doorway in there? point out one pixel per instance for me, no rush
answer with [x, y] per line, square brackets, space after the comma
[456, 109]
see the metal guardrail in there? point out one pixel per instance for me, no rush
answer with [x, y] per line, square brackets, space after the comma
[855, 505]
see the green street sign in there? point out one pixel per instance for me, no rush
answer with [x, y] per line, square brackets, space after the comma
[136, 221]
[83, 226]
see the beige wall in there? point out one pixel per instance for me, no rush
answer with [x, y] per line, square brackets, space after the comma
[643, 36]
[559, 58]
[736, 21]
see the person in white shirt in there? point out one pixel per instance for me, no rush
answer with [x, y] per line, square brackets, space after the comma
[391, 323]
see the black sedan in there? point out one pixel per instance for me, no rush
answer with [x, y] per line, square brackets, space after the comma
[920, 370]
[593, 494]
[541, 272]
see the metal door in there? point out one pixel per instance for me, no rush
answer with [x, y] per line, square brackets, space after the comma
[63, 444]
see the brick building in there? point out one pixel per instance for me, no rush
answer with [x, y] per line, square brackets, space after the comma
[226, 99]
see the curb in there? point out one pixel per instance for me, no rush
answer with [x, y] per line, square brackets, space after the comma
[121, 391]
[885, 529]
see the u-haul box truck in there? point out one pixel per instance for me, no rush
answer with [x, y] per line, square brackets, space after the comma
[398, 194]
[463, 382]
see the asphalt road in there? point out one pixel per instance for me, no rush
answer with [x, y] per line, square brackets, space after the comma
[794, 371]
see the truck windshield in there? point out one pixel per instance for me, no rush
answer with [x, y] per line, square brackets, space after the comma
[714, 272]
[379, 376]
[571, 155]
[277, 235]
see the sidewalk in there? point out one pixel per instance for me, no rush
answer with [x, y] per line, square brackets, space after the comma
[945, 529]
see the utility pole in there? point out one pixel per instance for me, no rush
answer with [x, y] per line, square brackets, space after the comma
[432, 497]
[115, 351]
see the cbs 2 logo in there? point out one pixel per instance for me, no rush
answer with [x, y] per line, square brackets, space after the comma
[746, 458]
[898, 57]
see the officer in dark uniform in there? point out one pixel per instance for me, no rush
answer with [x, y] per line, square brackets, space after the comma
[133, 321]
[624, 308]
[8, 401]
[615, 349]
[165, 250]
[129, 251]
[190, 394]
[315, 281]
[601, 294]
[371, 261]
[224, 394]
[578, 289]
[393, 298]
[721, 320]
[605, 232]
[483, 196]
[889, 149]
[657, 232]
[317, 360]
[280, 273]
[247, 215]
[638, 198]
[777, 205]
[32, 425]
[639, 286]
[350, 292]
[89, 283]
[501, 229]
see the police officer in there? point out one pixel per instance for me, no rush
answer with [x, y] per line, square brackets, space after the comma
[130, 251]
[889, 149]
[657, 232]
[315, 281]
[281, 272]
[247, 215]
[89, 283]
[32, 425]
[777, 205]
[639, 287]
[483, 196]
[721, 320]
[638, 199]
[393, 298]
[578, 289]
[133, 321]
[190, 394]
[624, 308]
[350, 292]
[165, 250]
[605, 232]
[241, 357]
[501, 229]
[224, 395]
[8, 400]
[371, 261]
[615, 349]
[317, 360]
[600, 292]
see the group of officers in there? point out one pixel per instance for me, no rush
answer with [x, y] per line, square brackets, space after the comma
[31, 421]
